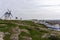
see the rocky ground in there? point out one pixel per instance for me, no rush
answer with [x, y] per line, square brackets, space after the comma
[26, 30]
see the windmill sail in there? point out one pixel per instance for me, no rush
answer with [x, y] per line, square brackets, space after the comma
[7, 15]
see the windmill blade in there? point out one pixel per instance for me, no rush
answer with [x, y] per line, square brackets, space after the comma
[2, 16]
[11, 15]
[9, 10]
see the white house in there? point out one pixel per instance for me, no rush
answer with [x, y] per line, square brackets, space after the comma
[57, 27]
[54, 27]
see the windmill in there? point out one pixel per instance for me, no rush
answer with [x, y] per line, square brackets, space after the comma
[7, 15]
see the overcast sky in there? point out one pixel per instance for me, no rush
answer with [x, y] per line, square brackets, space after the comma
[32, 9]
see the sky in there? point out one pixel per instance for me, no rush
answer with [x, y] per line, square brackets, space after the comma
[32, 9]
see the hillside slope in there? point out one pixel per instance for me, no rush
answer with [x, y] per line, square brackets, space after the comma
[27, 30]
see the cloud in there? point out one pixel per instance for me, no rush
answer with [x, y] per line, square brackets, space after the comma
[31, 8]
[46, 5]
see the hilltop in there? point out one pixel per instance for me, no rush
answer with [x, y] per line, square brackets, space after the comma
[27, 30]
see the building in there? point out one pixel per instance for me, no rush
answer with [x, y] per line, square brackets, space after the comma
[51, 26]
[35, 20]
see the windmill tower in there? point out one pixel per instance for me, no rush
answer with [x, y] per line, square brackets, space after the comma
[7, 15]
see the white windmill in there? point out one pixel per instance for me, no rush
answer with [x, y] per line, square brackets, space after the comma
[7, 15]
